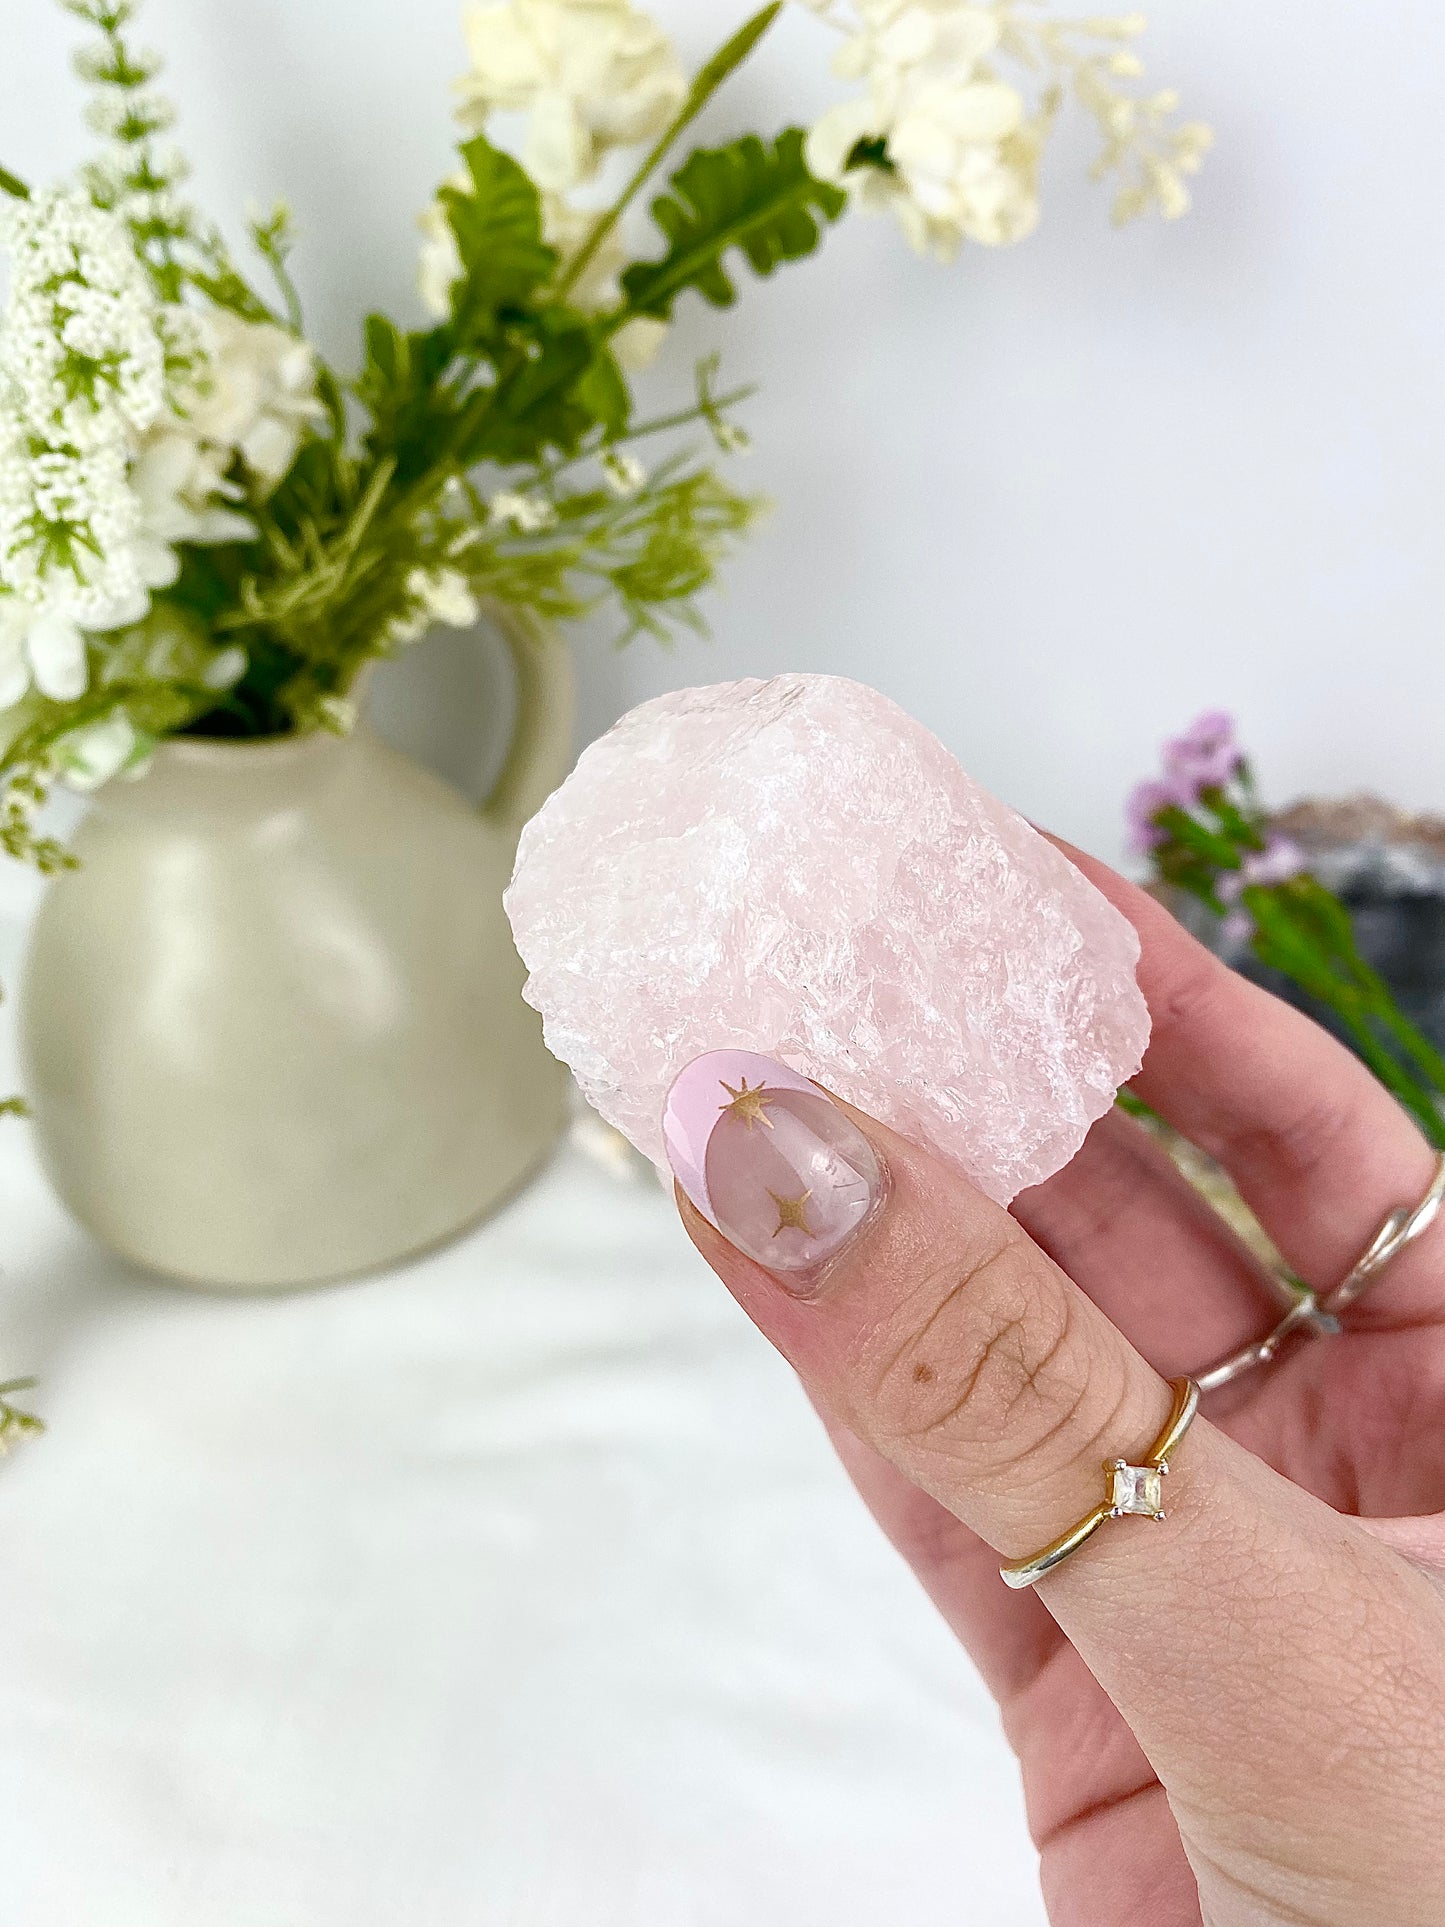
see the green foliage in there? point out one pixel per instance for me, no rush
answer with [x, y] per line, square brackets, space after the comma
[514, 371]
[676, 550]
[16, 1424]
[650, 553]
[728, 58]
[272, 237]
[320, 584]
[497, 222]
[724, 63]
[24, 786]
[602, 393]
[1301, 929]
[1304, 931]
[400, 387]
[535, 403]
[761, 200]
[140, 175]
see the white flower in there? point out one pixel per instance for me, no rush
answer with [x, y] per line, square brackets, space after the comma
[100, 475]
[226, 668]
[182, 489]
[43, 648]
[528, 514]
[590, 75]
[83, 356]
[566, 229]
[636, 342]
[952, 148]
[449, 599]
[623, 473]
[260, 395]
[443, 595]
[439, 595]
[90, 756]
[82, 350]
[958, 153]
[339, 714]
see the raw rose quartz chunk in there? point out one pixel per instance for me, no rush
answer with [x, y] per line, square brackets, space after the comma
[797, 867]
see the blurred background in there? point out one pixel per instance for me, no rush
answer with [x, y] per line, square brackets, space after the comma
[1054, 500]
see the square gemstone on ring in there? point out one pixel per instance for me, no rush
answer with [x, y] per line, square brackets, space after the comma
[1138, 1488]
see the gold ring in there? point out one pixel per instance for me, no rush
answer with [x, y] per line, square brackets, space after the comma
[1132, 1489]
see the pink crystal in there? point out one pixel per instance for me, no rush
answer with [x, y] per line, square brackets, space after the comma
[799, 868]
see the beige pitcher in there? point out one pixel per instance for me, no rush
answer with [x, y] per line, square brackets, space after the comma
[271, 1028]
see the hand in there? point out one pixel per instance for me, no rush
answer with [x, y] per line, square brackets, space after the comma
[1236, 1716]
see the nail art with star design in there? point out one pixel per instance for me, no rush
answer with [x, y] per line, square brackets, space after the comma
[770, 1160]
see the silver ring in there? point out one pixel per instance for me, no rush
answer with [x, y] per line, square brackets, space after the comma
[1308, 1312]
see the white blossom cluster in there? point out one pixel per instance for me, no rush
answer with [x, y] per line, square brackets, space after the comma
[590, 75]
[120, 418]
[435, 596]
[82, 379]
[955, 147]
[138, 173]
[84, 376]
[259, 394]
[947, 140]
[1152, 156]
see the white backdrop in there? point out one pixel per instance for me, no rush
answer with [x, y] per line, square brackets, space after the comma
[1053, 500]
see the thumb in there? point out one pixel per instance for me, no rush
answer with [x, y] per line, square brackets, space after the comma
[1251, 1636]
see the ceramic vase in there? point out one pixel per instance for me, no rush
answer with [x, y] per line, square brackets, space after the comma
[271, 1026]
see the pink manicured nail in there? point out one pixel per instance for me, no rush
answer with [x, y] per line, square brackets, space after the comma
[770, 1160]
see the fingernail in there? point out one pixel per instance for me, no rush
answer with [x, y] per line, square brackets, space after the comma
[767, 1158]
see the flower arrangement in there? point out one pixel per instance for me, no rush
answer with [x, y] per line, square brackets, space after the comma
[1206, 833]
[204, 527]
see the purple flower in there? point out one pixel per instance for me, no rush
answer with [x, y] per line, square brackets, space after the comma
[1237, 928]
[1207, 755]
[1144, 804]
[1277, 862]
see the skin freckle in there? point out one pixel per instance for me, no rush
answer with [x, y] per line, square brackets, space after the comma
[923, 1374]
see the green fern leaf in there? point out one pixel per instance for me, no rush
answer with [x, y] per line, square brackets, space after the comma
[761, 200]
[497, 221]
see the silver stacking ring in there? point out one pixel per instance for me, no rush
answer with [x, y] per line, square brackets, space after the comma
[1308, 1312]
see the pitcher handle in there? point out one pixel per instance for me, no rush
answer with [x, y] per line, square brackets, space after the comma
[540, 753]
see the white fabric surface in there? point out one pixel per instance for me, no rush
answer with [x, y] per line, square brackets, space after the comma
[516, 1588]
